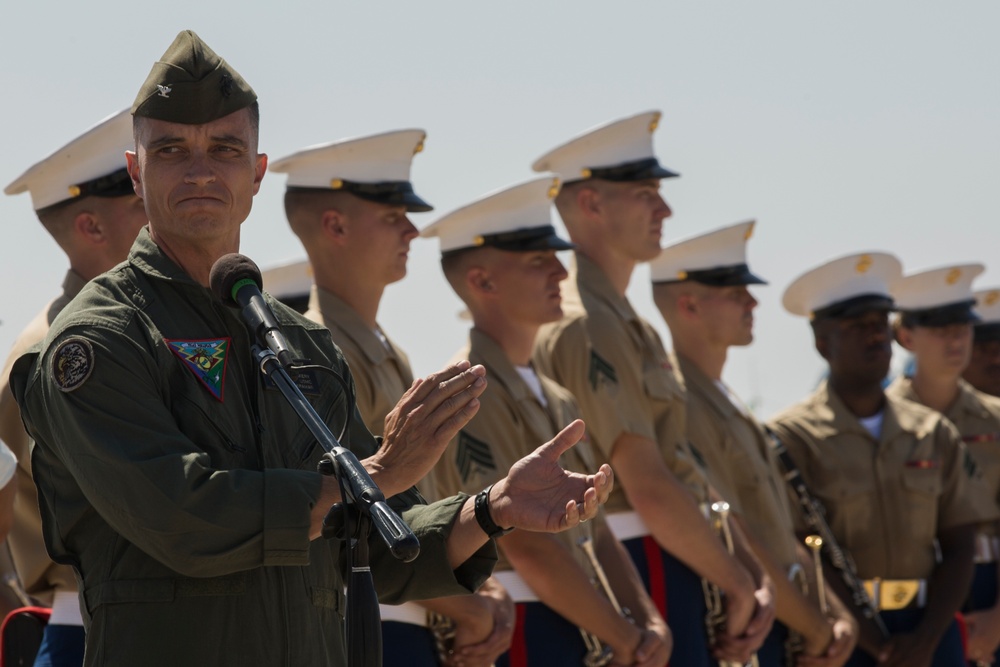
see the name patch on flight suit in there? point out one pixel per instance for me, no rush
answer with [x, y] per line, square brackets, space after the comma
[72, 363]
[307, 381]
[206, 359]
[599, 368]
[473, 455]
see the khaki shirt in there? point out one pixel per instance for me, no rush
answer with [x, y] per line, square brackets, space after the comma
[511, 423]
[741, 465]
[886, 500]
[180, 483]
[614, 363]
[977, 417]
[40, 576]
[381, 371]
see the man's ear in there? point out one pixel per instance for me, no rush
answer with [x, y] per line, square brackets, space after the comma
[904, 336]
[335, 225]
[132, 163]
[588, 200]
[87, 226]
[687, 305]
[478, 281]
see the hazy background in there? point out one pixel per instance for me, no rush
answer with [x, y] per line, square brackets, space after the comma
[840, 127]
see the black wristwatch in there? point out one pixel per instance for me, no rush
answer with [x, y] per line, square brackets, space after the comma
[483, 517]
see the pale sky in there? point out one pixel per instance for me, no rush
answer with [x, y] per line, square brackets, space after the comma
[840, 127]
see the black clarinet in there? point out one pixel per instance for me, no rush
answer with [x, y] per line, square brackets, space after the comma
[813, 511]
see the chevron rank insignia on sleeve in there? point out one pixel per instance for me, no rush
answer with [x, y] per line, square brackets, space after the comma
[599, 367]
[473, 457]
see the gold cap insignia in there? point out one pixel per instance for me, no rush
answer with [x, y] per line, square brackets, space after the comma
[864, 264]
[655, 123]
[478, 240]
[953, 276]
[74, 191]
[682, 275]
[585, 172]
[991, 298]
[554, 188]
[419, 147]
[336, 184]
[749, 232]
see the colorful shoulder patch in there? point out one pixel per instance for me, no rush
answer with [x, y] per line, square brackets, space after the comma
[473, 456]
[206, 359]
[72, 363]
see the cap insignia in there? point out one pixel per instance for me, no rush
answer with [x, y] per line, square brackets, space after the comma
[864, 264]
[682, 275]
[419, 147]
[554, 188]
[953, 276]
[206, 359]
[749, 232]
[585, 172]
[226, 85]
[74, 191]
[336, 184]
[991, 298]
[655, 123]
[72, 363]
[478, 240]
[164, 91]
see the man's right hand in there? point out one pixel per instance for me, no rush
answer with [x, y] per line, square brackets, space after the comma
[419, 428]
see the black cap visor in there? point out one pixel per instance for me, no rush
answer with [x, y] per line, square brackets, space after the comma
[390, 193]
[639, 170]
[521, 240]
[986, 332]
[854, 306]
[720, 276]
[116, 184]
[940, 316]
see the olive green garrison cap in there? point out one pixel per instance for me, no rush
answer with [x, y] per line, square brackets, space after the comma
[191, 84]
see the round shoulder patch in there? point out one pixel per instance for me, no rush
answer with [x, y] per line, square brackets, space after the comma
[72, 363]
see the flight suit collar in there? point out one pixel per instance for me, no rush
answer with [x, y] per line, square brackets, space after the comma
[695, 380]
[337, 313]
[151, 260]
[591, 279]
[72, 284]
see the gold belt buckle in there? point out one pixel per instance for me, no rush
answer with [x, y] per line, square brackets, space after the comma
[892, 594]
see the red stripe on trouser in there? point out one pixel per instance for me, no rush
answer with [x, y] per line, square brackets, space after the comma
[517, 656]
[963, 630]
[654, 570]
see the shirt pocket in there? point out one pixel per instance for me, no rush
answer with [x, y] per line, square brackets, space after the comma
[850, 506]
[214, 433]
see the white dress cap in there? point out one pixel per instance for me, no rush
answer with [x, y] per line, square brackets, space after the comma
[621, 150]
[844, 287]
[375, 167]
[988, 305]
[717, 258]
[289, 283]
[82, 166]
[938, 297]
[517, 218]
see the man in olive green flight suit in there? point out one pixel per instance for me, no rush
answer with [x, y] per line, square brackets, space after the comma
[179, 484]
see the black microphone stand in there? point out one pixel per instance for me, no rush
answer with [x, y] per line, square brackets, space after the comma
[363, 506]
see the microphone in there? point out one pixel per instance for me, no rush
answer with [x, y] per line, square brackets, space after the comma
[236, 281]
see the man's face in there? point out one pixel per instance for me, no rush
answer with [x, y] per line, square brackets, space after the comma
[527, 285]
[858, 348]
[378, 238]
[634, 213]
[983, 371]
[726, 314]
[940, 351]
[197, 181]
[123, 218]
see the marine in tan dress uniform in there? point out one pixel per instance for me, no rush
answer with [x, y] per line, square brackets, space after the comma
[935, 323]
[348, 201]
[983, 371]
[84, 198]
[700, 288]
[632, 397]
[894, 476]
[498, 253]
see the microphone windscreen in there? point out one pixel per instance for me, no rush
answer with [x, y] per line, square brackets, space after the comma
[229, 270]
